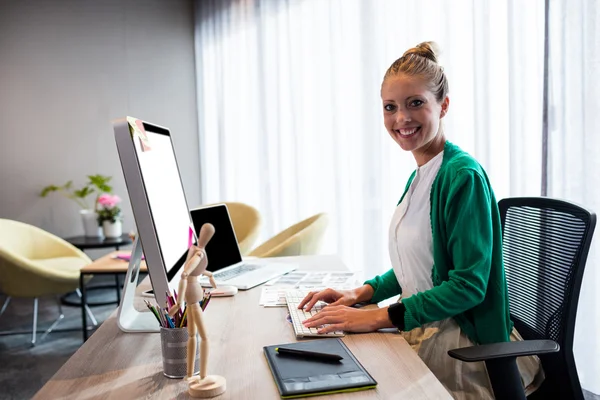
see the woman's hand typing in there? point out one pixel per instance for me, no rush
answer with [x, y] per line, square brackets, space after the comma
[349, 319]
[337, 297]
[330, 296]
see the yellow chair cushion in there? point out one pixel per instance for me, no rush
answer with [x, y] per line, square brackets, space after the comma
[35, 263]
[302, 238]
[246, 221]
[68, 267]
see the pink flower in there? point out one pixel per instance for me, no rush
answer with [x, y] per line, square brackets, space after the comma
[109, 201]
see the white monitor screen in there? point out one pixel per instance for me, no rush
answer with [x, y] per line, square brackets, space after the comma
[166, 198]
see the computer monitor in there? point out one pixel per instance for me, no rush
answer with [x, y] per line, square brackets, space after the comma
[157, 199]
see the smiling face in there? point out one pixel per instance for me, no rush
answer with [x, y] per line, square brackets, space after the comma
[412, 114]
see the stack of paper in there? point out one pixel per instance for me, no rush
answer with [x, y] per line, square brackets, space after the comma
[273, 293]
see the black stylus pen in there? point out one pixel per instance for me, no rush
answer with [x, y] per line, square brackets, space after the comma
[308, 354]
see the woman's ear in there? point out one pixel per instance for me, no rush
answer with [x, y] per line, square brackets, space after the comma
[445, 105]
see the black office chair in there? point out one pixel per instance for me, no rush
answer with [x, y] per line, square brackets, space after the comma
[545, 247]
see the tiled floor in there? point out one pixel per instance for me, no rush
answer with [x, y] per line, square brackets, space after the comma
[25, 369]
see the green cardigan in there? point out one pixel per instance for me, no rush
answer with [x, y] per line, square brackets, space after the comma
[468, 273]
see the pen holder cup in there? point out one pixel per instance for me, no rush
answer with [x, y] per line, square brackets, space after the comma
[173, 342]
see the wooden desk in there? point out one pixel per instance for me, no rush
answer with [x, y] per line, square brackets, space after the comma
[117, 365]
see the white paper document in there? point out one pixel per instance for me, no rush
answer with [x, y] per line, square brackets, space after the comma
[273, 293]
[273, 296]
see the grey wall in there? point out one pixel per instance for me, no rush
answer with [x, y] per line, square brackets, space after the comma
[67, 68]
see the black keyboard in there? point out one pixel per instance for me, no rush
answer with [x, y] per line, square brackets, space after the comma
[232, 273]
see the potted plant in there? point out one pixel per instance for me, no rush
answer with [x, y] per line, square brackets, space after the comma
[109, 215]
[96, 184]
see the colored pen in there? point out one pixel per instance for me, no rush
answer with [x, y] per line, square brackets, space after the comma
[308, 354]
[153, 312]
[151, 308]
[163, 321]
[205, 303]
[169, 301]
[169, 321]
[182, 324]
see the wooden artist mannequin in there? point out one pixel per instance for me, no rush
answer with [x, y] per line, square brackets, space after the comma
[191, 292]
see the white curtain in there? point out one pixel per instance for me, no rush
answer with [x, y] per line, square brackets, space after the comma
[573, 143]
[290, 113]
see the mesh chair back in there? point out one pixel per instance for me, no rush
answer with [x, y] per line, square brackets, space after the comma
[545, 247]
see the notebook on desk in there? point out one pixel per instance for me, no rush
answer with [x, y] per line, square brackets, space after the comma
[296, 377]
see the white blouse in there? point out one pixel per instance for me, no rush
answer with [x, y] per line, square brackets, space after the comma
[411, 240]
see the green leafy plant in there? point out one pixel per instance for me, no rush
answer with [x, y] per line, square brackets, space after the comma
[96, 184]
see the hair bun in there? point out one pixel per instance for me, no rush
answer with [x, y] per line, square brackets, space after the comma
[429, 50]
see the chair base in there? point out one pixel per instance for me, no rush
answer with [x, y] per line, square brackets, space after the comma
[41, 331]
[34, 329]
[65, 298]
[5, 305]
[505, 378]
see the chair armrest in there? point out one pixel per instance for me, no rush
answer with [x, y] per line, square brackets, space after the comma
[504, 350]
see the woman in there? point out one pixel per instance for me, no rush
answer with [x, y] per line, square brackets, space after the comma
[445, 243]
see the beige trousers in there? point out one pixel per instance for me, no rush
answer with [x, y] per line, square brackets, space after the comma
[465, 381]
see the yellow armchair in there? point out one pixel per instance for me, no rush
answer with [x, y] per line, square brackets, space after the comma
[36, 263]
[246, 221]
[302, 238]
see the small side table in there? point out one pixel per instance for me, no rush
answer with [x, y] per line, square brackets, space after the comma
[87, 242]
[104, 265]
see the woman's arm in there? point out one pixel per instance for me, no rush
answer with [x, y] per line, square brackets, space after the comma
[349, 319]
[384, 286]
[341, 317]
[364, 293]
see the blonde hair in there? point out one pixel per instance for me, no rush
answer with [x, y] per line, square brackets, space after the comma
[422, 61]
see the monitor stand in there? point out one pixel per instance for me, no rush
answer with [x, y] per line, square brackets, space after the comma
[128, 318]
